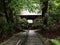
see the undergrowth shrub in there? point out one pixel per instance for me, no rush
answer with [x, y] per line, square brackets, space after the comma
[55, 42]
[6, 29]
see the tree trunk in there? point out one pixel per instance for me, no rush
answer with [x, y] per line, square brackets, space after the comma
[11, 16]
[8, 12]
[44, 11]
[5, 10]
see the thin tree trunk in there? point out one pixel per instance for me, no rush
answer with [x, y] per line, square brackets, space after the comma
[44, 11]
[11, 16]
[8, 13]
[5, 10]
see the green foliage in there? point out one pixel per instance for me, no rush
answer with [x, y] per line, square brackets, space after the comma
[22, 23]
[54, 5]
[8, 29]
[55, 42]
[54, 9]
[18, 5]
[39, 23]
[5, 29]
[50, 21]
[1, 8]
[52, 16]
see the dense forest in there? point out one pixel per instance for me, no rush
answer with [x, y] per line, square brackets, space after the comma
[48, 24]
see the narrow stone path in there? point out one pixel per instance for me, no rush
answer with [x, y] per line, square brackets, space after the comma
[33, 39]
[15, 39]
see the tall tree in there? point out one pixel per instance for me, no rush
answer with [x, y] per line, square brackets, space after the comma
[45, 7]
[44, 10]
[5, 10]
